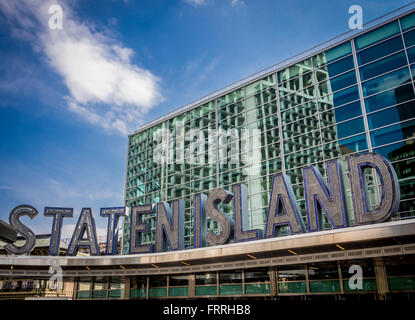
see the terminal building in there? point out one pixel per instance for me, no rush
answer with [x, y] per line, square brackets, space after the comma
[350, 95]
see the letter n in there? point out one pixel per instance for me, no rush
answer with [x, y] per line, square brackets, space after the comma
[321, 198]
[170, 226]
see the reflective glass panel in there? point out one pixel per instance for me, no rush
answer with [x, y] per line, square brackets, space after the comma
[342, 97]
[382, 66]
[400, 265]
[299, 112]
[349, 128]
[302, 141]
[178, 280]
[386, 81]
[84, 284]
[304, 157]
[395, 114]
[295, 70]
[411, 54]
[206, 278]
[397, 151]
[300, 83]
[409, 38]
[347, 112]
[100, 283]
[377, 35]
[257, 275]
[408, 21]
[393, 133]
[407, 192]
[323, 270]
[340, 66]
[389, 98]
[203, 109]
[334, 68]
[342, 81]
[332, 54]
[231, 97]
[405, 169]
[260, 85]
[232, 276]
[291, 273]
[350, 145]
[380, 50]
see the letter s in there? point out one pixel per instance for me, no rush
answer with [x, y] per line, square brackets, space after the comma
[14, 219]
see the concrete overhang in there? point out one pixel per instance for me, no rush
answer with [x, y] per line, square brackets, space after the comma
[367, 236]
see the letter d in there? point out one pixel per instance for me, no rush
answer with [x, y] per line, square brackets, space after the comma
[390, 195]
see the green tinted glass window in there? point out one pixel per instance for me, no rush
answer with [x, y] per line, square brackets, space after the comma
[304, 157]
[295, 70]
[292, 287]
[408, 21]
[377, 35]
[260, 85]
[231, 97]
[203, 109]
[332, 54]
[299, 112]
[325, 286]
[380, 50]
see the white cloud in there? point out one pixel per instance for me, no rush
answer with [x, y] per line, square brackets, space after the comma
[196, 2]
[105, 87]
[236, 3]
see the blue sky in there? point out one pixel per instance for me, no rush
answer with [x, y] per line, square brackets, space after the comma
[69, 98]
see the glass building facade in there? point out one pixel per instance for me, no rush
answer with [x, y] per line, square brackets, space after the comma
[352, 96]
[329, 280]
[355, 96]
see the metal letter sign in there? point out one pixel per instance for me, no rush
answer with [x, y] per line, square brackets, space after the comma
[14, 219]
[321, 199]
[240, 204]
[200, 226]
[170, 226]
[138, 227]
[215, 197]
[113, 215]
[55, 237]
[390, 196]
[86, 224]
[283, 208]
